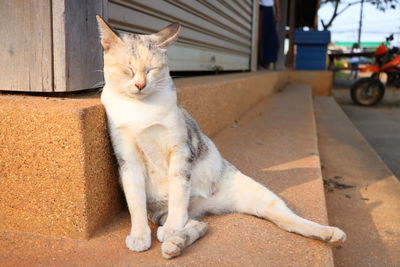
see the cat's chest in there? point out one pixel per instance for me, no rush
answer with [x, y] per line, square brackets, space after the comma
[155, 144]
[136, 116]
[139, 114]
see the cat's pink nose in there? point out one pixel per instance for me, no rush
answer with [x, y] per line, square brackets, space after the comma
[140, 86]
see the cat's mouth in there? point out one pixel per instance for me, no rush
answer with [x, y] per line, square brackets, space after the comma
[135, 93]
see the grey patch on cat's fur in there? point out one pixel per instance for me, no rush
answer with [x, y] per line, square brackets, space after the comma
[157, 205]
[227, 169]
[121, 161]
[224, 166]
[158, 217]
[187, 176]
[136, 40]
[157, 212]
[185, 172]
[195, 142]
[121, 167]
[186, 239]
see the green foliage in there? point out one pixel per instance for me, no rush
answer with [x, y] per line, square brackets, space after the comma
[340, 64]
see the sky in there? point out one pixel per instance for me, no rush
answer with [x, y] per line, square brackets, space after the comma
[377, 25]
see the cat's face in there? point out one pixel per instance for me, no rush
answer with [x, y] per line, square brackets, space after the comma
[136, 65]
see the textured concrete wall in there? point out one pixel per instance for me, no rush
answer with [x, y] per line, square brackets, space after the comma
[217, 101]
[58, 173]
[58, 176]
[320, 81]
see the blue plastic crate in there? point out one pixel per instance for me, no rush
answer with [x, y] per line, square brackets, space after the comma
[311, 49]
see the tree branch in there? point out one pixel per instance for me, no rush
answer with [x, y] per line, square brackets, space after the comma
[326, 26]
[337, 12]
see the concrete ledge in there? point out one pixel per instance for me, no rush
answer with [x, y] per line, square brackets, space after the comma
[217, 101]
[276, 144]
[320, 81]
[370, 211]
[58, 175]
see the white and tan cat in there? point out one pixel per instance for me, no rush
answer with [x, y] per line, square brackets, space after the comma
[170, 171]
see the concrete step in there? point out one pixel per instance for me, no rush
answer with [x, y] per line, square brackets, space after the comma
[276, 144]
[369, 212]
[58, 172]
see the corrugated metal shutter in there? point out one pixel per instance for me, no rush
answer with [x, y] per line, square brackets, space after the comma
[216, 34]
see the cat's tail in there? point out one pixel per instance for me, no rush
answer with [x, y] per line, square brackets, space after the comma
[244, 195]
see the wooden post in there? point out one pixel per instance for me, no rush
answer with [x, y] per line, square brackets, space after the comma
[50, 45]
[26, 46]
[77, 54]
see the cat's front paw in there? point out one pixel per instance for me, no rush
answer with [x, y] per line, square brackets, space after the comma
[138, 243]
[163, 233]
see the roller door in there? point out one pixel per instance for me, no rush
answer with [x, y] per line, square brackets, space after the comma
[216, 34]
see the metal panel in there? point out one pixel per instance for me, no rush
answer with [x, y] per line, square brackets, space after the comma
[216, 34]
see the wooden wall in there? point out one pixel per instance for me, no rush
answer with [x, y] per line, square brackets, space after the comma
[50, 45]
[78, 61]
[53, 45]
[26, 46]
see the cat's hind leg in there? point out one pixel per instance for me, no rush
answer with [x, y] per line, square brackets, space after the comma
[239, 193]
[175, 244]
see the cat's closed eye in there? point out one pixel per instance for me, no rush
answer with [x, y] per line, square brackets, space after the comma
[123, 70]
[151, 69]
[128, 71]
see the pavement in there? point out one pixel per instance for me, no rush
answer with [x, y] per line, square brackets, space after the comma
[362, 194]
[380, 124]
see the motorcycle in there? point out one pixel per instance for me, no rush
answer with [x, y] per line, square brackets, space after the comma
[370, 91]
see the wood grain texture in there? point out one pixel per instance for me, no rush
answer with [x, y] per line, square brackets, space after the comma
[59, 46]
[53, 45]
[26, 47]
[78, 60]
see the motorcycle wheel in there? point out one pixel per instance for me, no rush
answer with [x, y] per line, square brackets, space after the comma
[367, 91]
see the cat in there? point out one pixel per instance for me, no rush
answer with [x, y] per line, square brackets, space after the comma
[171, 173]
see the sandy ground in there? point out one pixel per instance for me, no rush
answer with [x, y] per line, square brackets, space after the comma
[380, 124]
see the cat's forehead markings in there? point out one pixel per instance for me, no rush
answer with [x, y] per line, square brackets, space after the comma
[140, 43]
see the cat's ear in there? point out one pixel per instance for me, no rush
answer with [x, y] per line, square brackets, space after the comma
[167, 35]
[108, 37]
